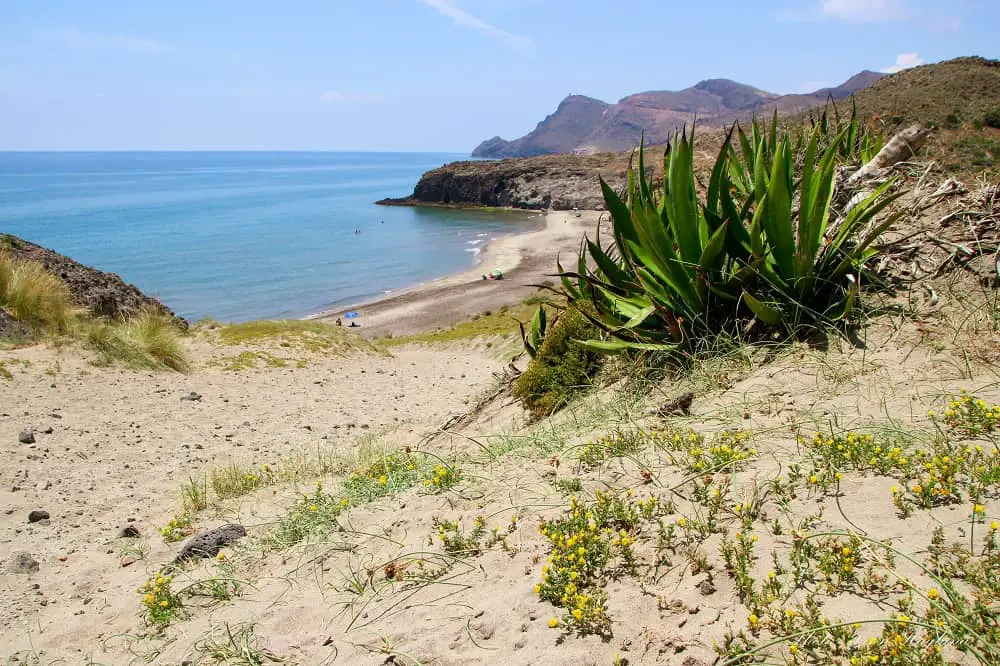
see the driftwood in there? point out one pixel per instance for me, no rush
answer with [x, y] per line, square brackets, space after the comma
[901, 147]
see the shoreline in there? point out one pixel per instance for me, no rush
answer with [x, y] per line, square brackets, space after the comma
[525, 258]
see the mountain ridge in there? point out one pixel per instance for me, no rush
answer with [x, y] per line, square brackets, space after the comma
[588, 125]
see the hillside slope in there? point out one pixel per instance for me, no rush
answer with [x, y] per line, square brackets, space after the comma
[953, 97]
[583, 124]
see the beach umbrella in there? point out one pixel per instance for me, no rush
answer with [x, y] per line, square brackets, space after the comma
[350, 315]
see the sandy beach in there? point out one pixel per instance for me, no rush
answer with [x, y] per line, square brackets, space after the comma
[526, 259]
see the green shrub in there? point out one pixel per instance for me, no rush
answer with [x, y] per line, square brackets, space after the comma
[34, 296]
[992, 119]
[683, 269]
[561, 366]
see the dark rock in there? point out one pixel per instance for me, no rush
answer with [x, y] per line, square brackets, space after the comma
[103, 294]
[11, 329]
[129, 532]
[680, 405]
[39, 514]
[47, 431]
[706, 587]
[23, 563]
[210, 542]
[26, 437]
[192, 396]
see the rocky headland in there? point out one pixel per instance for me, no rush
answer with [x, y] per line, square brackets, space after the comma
[556, 182]
[103, 294]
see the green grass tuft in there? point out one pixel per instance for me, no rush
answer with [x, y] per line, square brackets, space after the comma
[149, 340]
[307, 335]
[250, 360]
[502, 323]
[34, 296]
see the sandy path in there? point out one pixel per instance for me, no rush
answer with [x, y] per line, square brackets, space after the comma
[122, 442]
[525, 259]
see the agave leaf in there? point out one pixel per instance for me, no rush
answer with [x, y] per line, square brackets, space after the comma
[766, 313]
[538, 324]
[616, 346]
[609, 268]
[681, 205]
[572, 291]
[620, 214]
[640, 317]
[528, 346]
[716, 182]
[839, 310]
[777, 218]
[713, 248]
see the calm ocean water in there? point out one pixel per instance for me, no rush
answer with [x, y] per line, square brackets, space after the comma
[239, 236]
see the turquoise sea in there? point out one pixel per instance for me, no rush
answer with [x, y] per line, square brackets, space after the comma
[245, 235]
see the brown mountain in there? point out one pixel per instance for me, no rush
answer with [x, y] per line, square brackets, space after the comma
[559, 133]
[586, 125]
[957, 97]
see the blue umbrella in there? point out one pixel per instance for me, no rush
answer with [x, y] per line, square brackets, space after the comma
[350, 315]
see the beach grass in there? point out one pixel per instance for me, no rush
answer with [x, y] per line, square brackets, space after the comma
[300, 334]
[34, 296]
[148, 340]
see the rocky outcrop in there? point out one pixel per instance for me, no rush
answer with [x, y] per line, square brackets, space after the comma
[103, 294]
[586, 125]
[558, 182]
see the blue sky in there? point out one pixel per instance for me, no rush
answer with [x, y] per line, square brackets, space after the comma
[419, 75]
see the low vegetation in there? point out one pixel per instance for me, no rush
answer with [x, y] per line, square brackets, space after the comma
[685, 269]
[42, 301]
[294, 334]
[149, 340]
[502, 323]
[561, 368]
[35, 297]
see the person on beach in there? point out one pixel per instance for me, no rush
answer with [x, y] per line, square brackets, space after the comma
[339, 323]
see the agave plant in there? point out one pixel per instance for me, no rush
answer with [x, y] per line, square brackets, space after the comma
[682, 267]
[856, 143]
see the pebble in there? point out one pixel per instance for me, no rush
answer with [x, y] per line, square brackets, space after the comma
[129, 532]
[37, 515]
[26, 437]
[192, 396]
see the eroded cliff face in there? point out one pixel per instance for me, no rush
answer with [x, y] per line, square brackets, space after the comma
[558, 182]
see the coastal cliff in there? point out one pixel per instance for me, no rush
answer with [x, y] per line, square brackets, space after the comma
[557, 182]
[103, 294]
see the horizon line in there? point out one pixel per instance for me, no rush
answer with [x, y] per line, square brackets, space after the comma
[227, 150]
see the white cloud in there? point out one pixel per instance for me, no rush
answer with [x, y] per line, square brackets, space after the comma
[464, 18]
[864, 11]
[903, 61]
[95, 41]
[336, 96]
